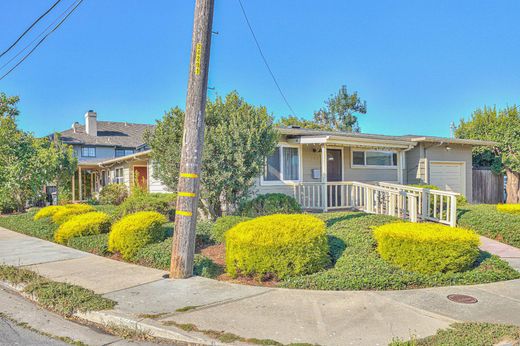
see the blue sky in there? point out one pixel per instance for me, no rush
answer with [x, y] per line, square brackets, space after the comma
[418, 64]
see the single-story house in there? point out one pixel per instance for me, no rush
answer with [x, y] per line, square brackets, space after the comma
[322, 169]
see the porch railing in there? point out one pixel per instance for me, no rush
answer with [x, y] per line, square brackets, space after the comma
[434, 205]
[365, 197]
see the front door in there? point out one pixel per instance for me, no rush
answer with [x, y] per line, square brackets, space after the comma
[141, 177]
[334, 173]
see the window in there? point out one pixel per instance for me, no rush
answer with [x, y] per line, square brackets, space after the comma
[88, 152]
[118, 178]
[124, 152]
[283, 164]
[374, 158]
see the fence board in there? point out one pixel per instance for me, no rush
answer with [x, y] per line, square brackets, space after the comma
[488, 187]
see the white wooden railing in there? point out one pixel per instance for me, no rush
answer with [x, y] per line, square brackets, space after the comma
[365, 197]
[435, 205]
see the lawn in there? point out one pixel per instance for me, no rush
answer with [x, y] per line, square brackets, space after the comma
[486, 220]
[469, 333]
[356, 264]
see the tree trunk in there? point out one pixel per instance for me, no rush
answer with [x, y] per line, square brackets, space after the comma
[513, 186]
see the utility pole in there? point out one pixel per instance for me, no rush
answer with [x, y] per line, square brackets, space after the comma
[183, 247]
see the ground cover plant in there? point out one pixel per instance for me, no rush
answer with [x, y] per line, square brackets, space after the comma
[358, 266]
[468, 333]
[427, 247]
[486, 220]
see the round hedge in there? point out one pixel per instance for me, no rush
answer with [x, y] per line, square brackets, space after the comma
[279, 245]
[134, 231]
[82, 225]
[70, 210]
[427, 247]
[509, 208]
[224, 224]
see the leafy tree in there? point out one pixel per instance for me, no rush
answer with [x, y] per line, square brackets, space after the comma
[237, 139]
[338, 114]
[503, 127]
[27, 163]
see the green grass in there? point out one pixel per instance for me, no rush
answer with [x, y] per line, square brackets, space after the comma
[486, 220]
[359, 267]
[469, 333]
[60, 297]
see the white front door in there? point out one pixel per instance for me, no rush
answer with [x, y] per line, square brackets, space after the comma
[448, 176]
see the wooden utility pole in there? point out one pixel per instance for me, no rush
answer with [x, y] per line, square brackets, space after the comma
[183, 247]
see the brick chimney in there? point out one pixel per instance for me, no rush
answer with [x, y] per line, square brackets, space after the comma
[91, 123]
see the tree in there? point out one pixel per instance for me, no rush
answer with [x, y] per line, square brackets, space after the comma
[501, 126]
[338, 114]
[27, 163]
[238, 138]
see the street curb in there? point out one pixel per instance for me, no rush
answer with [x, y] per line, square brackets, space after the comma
[107, 318]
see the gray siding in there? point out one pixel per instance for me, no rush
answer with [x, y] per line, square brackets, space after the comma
[101, 153]
[367, 174]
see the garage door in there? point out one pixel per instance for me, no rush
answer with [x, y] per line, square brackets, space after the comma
[448, 176]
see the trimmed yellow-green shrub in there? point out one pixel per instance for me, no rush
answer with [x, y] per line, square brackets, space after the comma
[509, 208]
[70, 210]
[134, 231]
[279, 245]
[47, 211]
[81, 225]
[427, 247]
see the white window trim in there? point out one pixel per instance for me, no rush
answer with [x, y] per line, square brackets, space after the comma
[365, 166]
[283, 181]
[119, 179]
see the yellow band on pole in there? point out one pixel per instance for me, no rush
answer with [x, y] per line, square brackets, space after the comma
[186, 194]
[183, 213]
[189, 175]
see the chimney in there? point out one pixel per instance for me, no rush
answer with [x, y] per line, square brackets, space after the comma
[91, 123]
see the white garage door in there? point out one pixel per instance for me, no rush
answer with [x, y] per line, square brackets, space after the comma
[448, 176]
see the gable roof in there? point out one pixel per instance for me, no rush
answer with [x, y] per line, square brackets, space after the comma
[109, 133]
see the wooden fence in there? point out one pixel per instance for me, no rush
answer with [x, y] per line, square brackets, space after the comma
[488, 187]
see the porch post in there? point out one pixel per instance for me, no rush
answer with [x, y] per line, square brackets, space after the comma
[91, 184]
[324, 190]
[401, 166]
[80, 188]
[73, 187]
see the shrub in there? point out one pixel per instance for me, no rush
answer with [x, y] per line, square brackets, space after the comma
[509, 208]
[113, 194]
[270, 203]
[70, 210]
[427, 247]
[163, 203]
[280, 245]
[224, 224]
[203, 233]
[82, 225]
[134, 231]
[47, 212]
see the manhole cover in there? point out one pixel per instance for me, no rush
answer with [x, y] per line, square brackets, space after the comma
[463, 299]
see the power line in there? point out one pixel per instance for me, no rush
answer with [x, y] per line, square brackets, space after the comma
[43, 39]
[37, 37]
[29, 28]
[264, 58]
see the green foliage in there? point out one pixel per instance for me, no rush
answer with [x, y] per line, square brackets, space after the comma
[205, 267]
[203, 233]
[279, 245]
[238, 138]
[269, 203]
[224, 224]
[163, 203]
[359, 266]
[461, 200]
[427, 247]
[467, 333]
[96, 244]
[486, 220]
[67, 211]
[47, 212]
[82, 225]
[113, 194]
[134, 231]
[339, 113]
[27, 163]
[509, 208]
[24, 223]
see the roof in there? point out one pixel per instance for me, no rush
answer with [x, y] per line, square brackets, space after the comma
[411, 139]
[110, 133]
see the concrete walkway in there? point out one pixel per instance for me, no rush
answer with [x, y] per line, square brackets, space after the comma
[287, 316]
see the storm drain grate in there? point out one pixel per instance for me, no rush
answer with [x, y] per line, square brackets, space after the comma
[462, 299]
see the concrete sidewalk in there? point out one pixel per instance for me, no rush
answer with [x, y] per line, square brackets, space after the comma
[287, 316]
